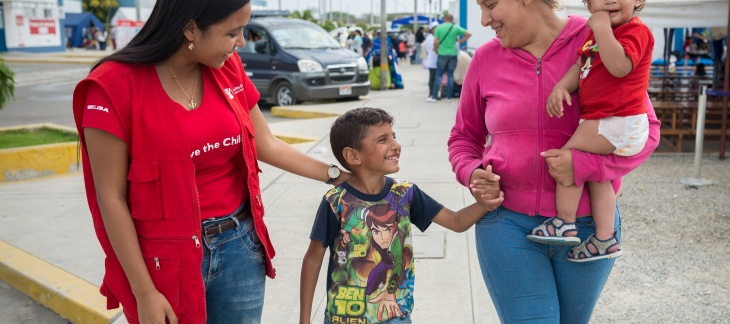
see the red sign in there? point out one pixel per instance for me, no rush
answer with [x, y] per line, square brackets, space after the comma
[18, 20]
[130, 23]
[42, 26]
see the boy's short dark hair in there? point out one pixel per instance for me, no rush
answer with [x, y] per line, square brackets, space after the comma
[350, 129]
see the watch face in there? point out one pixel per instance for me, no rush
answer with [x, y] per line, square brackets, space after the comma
[333, 172]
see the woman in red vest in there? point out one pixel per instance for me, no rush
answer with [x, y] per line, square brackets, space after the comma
[171, 133]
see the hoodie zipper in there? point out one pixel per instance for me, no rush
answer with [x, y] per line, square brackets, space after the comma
[541, 123]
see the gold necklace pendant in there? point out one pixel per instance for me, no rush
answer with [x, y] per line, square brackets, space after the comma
[192, 104]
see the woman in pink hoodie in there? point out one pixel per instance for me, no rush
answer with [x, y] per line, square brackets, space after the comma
[501, 122]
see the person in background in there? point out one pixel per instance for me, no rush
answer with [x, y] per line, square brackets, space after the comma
[113, 34]
[357, 42]
[396, 79]
[101, 36]
[431, 60]
[420, 37]
[171, 135]
[366, 43]
[411, 45]
[462, 63]
[501, 123]
[445, 45]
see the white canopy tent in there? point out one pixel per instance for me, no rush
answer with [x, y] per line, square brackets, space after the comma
[660, 14]
[671, 13]
[128, 13]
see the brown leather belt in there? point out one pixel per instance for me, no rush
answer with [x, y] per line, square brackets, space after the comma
[227, 224]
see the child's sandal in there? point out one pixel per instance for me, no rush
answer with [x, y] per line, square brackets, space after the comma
[541, 233]
[581, 253]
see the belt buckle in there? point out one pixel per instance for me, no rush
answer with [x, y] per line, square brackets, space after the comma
[220, 229]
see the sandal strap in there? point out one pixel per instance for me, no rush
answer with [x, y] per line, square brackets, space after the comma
[559, 226]
[601, 246]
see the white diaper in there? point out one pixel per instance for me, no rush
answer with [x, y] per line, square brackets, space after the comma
[628, 134]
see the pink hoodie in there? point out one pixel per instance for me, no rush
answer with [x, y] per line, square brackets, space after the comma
[504, 97]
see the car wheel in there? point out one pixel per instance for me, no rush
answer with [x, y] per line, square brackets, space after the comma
[284, 95]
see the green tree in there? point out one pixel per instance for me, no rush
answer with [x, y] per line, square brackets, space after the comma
[362, 25]
[7, 84]
[307, 15]
[100, 8]
[295, 14]
[328, 25]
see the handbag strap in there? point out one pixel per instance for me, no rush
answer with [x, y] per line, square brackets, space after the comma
[448, 31]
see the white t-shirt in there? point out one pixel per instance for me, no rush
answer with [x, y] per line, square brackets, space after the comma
[431, 56]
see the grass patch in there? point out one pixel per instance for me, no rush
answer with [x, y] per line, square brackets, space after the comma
[36, 136]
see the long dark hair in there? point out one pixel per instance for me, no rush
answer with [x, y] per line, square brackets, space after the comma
[162, 34]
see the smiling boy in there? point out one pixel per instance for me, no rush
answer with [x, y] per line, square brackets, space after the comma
[366, 224]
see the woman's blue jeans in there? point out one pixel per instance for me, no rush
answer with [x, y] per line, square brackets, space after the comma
[234, 274]
[532, 282]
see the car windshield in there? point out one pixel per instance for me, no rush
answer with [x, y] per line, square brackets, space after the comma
[299, 36]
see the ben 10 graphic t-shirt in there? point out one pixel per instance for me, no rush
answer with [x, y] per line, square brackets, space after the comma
[371, 268]
[212, 132]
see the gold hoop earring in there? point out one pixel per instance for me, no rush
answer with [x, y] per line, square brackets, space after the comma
[191, 46]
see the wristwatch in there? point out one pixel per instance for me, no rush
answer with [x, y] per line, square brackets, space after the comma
[333, 172]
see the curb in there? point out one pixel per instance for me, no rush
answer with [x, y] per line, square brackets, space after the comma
[295, 139]
[29, 162]
[296, 113]
[66, 294]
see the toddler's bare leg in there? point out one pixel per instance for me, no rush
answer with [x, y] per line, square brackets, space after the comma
[603, 206]
[586, 139]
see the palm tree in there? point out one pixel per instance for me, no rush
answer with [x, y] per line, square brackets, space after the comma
[7, 84]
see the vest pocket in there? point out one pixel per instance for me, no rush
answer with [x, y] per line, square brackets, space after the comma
[144, 190]
[163, 266]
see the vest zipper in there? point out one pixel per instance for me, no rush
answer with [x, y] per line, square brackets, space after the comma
[197, 242]
[538, 66]
[157, 263]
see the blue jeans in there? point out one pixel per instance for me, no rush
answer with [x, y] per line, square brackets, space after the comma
[234, 274]
[397, 320]
[445, 63]
[535, 283]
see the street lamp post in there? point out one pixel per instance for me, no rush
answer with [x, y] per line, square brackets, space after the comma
[372, 12]
[415, 16]
[137, 10]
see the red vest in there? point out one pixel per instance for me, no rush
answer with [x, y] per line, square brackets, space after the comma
[162, 196]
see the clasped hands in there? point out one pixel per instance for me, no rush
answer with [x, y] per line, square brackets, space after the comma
[484, 187]
[484, 184]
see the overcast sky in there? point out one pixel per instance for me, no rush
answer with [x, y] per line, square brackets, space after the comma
[356, 7]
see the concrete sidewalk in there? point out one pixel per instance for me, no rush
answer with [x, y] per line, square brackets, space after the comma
[48, 221]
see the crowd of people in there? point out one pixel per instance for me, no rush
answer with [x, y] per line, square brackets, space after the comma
[99, 38]
[180, 217]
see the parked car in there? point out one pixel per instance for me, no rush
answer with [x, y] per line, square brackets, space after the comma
[291, 60]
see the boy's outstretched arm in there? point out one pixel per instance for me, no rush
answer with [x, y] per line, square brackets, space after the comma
[463, 219]
[311, 264]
